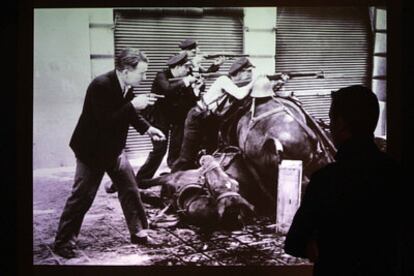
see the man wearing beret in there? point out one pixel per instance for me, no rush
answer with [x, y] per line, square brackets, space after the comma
[190, 46]
[169, 113]
[212, 107]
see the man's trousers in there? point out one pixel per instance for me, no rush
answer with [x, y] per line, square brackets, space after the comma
[86, 184]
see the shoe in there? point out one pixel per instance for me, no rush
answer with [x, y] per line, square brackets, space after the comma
[164, 173]
[145, 240]
[110, 188]
[138, 240]
[65, 251]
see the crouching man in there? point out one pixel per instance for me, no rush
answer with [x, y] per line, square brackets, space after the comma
[204, 119]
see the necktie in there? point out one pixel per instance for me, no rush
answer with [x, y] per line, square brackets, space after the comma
[126, 89]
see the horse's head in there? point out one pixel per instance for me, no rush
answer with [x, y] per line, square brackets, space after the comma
[232, 208]
[218, 181]
[201, 210]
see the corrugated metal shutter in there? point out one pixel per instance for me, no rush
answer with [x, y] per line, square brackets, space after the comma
[159, 36]
[335, 40]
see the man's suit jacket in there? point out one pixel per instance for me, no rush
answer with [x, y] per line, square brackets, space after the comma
[102, 129]
[174, 107]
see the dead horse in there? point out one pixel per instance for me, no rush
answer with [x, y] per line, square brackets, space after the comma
[206, 197]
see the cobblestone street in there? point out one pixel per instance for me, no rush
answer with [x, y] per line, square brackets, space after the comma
[104, 238]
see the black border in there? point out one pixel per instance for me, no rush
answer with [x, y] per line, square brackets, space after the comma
[398, 123]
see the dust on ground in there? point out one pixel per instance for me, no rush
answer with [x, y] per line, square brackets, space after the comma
[104, 238]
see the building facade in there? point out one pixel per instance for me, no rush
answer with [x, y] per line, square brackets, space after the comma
[72, 46]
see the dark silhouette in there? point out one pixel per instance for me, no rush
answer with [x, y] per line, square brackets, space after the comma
[349, 222]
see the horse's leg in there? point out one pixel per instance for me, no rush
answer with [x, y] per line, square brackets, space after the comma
[272, 150]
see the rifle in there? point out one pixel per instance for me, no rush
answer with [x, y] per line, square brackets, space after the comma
[292, 75]
[273, 77]
[202, 75]
[224, 54]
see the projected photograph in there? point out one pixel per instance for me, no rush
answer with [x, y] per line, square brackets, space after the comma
[188, 136]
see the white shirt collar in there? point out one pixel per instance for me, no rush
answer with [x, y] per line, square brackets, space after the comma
[124, 88]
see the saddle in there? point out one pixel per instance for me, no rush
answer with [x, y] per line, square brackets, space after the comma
[228, 129]
[224, 157]
[196, 200]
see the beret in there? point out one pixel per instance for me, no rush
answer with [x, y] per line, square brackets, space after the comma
[187, 44]
[239, 64]
[177, 59]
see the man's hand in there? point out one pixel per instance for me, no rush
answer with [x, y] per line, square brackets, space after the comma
[196, 60]
[279, 84]
[284, 77]
[155, 134]
[220, 60]
[141, 101]
[197, 86]
[191, 79]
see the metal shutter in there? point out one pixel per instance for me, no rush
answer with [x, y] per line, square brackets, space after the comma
[159, 36]
[335, 40]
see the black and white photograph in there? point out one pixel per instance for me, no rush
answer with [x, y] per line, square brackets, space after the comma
[211, 136]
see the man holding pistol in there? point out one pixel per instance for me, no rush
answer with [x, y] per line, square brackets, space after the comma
[98, 140]
[168, 114]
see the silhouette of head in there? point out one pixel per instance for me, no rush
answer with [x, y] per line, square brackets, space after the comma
[354, 112]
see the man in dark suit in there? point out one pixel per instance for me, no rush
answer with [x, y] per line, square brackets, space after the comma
[167, 114]
[98, 142]
[350, 219]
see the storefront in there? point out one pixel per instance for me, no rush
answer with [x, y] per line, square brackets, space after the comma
[335, 40]
[158, 32]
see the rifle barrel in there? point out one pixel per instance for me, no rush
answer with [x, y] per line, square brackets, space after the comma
[292, 75]
[202, 75]
[273, 77]
[218, 54]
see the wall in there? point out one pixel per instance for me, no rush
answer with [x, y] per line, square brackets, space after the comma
[72, 46]
[61, 73]
[379, 70]
[101, 29]
[259, 37]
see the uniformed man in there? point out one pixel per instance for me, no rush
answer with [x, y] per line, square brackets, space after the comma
[190, 46]
[212, 106]
[169, 113]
